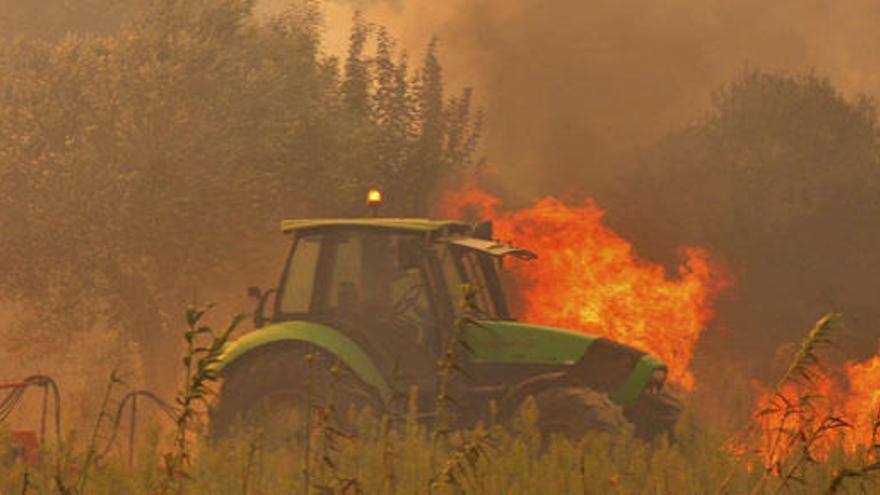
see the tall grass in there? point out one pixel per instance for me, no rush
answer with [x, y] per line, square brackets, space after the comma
[597, 464]
[374, 458]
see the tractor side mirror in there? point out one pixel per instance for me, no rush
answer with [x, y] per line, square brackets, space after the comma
[261, 297]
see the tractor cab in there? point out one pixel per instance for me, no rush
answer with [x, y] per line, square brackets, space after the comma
[388, 283]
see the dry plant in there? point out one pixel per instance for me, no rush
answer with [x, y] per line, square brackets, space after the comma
[792, 427]
[449, 366]
[869, 468]
[92, 453]
[464, 458]
[329, 434]
[200, 363]
[463, 461]
[799, 425]
[783, 433]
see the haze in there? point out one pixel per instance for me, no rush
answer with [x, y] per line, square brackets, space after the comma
[572, 89]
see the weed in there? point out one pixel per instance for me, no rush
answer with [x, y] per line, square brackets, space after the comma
[502, 459]
[199, 363]
[103, 415]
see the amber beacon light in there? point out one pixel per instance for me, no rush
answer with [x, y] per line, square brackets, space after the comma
[374, 200]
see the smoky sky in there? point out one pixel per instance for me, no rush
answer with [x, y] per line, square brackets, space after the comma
[573, 89]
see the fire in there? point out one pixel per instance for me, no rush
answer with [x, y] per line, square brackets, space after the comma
[799, 417]
[846, 402]
[589, 278]
[862, 404]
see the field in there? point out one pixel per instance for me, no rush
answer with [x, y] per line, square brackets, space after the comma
[789, 446]
[506, 462]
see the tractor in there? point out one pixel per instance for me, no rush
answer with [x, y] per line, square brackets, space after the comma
[368, 308]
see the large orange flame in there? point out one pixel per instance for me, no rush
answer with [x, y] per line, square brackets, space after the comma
[589, 278]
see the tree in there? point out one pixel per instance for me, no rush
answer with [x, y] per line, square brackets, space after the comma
[142, 167]
[781, 180]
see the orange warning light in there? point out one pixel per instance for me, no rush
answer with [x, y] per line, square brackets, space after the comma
[374, 197]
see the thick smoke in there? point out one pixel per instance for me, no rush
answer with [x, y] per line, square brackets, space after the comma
[572, 89]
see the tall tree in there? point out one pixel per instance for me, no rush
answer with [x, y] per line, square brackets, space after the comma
[356, 85]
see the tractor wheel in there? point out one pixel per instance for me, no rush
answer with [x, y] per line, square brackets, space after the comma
[655, 414]
[573, 411]
[281, 389]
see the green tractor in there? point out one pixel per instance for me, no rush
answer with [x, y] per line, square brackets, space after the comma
[365, 309]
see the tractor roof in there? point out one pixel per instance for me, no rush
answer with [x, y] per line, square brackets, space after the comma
[409, 224]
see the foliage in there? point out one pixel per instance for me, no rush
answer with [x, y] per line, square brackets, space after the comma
[149, 165]
[780, 181]
[777, 154]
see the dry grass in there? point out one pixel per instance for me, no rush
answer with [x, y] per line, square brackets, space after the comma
[399, 455]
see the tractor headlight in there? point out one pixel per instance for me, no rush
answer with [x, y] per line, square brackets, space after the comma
[658, 379]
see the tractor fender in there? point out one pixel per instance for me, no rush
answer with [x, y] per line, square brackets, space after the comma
[327, 338]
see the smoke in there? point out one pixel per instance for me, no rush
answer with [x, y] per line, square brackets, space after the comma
[573, 89]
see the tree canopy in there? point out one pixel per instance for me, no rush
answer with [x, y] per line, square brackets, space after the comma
[780, 179]
[139, 166]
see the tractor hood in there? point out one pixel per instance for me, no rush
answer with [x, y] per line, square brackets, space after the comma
[519, 343]
[621, 371]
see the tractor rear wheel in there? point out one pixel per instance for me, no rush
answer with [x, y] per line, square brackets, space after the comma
[285, 391]
[573, 411]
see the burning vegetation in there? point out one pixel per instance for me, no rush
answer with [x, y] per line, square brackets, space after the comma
[589, 278]
[815, 409]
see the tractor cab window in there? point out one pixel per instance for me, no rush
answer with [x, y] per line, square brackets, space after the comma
[358, 275]
[462, 266]
[296, 293]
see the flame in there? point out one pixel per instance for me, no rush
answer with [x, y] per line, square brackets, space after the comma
[848, 399]
[862, 405]
[797, 418]
[589, 278]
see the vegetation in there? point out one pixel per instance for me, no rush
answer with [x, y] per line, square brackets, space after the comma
[491, 459]
[780, 180]
[149, 165]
